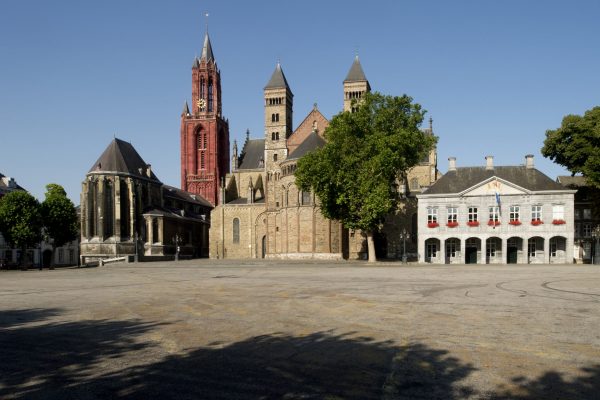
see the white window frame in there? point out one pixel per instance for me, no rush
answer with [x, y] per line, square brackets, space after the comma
[494, 212]
[536, 212]
[452, 214]
[431, 250]
[490, 249]
[451, 248]
[558, 212]
[432, 215]
[473, 215]
[587, 230]
[531, 248]
[514, 213]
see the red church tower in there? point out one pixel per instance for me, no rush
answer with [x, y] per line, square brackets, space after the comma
[204, 132]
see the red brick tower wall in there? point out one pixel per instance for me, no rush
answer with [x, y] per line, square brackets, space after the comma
[204, 134]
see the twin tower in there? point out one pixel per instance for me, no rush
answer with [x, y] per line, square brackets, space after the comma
[205, 133]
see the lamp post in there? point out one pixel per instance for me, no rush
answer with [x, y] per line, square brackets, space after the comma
[404, 235]
[595, 238]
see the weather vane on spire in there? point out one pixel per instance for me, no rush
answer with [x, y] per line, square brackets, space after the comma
[206, 16]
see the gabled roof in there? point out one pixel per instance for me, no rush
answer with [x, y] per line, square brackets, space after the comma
[312, 142]
[356, 73]
[454, 182]
[252, 154]
[207, 52]
[278, 80]
[121, 157]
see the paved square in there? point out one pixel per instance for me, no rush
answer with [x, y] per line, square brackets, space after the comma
[300, 330]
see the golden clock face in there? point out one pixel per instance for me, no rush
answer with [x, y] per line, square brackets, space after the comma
[201, 104]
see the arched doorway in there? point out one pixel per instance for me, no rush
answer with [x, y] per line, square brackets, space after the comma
[558, 247]
[432, 249]
[514, 248]
[535, 250]
[493, 250]
[263, 246]
[472, 248]
[453, 253]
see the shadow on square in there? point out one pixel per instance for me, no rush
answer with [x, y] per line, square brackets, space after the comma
[83, 360]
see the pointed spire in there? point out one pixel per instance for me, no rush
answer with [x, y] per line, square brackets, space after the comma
[431, 124]
[247, 135]
[235, 149]
[356, 73]
[277, 80]
[207, 52]
[186, 109]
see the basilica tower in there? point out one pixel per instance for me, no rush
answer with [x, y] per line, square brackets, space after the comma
[278, 117]
[355, 85]
[204, 131]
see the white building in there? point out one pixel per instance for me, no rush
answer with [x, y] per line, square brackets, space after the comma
[495, 215]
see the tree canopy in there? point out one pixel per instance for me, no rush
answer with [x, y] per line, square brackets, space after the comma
[59, 216]
[576, 145]
[355, 174]
[20, 220]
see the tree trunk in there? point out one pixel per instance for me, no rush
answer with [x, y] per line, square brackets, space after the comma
[371, 247]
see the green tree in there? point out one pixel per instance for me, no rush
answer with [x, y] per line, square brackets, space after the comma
[20, 221]
[576, 145]
[59, 217]
[366, 152]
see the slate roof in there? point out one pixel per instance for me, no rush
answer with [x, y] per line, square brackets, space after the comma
[466, 177]
[252, 153]
[121, 157]
[356, 73]
[312, 142]
[4, 188]
[278, 80]
[572, 181]
[207, 52]
[185, 196]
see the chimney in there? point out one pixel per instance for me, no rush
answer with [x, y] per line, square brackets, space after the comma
[149, 170]
[451, 164]
[529, 161]
[489, 163]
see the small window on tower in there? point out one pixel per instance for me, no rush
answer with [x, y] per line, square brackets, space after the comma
[202, 160]
[274, 157]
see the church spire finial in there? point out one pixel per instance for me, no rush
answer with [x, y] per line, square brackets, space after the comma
[431, 124]
[207, 52]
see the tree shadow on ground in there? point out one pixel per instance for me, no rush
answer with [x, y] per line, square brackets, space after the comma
[277, 366]
[36, 357]
[554, 385]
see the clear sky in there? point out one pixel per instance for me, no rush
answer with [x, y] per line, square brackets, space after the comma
[494, 75]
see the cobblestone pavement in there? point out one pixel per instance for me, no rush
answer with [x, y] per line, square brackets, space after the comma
[300, 330]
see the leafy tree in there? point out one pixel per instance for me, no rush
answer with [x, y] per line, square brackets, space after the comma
[576, 145]
[20, 220]
[59, 217]
[355, 174]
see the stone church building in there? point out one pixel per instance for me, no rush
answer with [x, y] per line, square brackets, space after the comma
[259, 211]
[126, 211]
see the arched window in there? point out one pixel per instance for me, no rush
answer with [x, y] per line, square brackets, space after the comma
[109, 212]
[210, 95]
[236, 230]
[414, 183]
[306, 199]
[272, 117]
[124, 197]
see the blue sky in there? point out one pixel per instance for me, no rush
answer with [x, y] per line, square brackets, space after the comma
[493, 75]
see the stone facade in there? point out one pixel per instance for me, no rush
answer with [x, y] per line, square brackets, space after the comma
[495, 215]
[264, 214]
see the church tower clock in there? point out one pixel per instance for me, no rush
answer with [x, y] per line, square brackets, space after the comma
[204, 131]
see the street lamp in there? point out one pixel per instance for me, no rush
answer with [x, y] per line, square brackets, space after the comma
[595, 238]
[404, 235]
